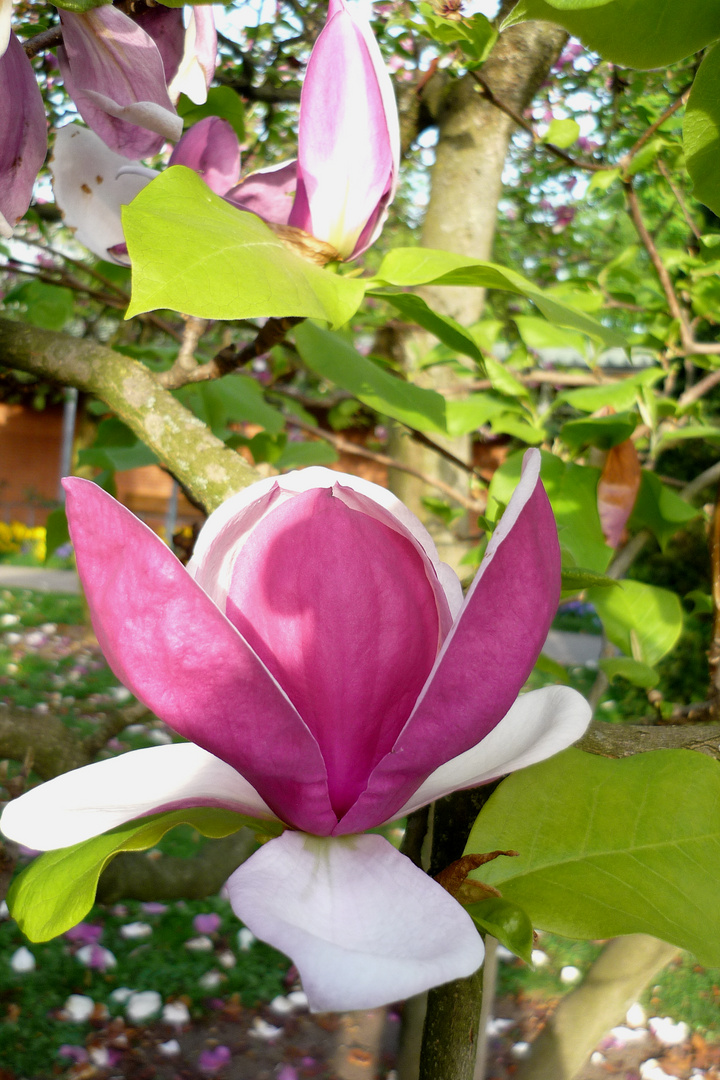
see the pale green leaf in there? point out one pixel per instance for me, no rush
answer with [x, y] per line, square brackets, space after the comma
[622, 395]
[507, 922]
[660, 509]
[469, 413]
[701, 132]
[333, 357]
[424, 266]
[539, 334]
[193, 252]
[445, 329]
[611, 847]
[643, 620]
[575, 579]
[634, 671]
[562, 133]
[221, 101]
[603, 179]
[504, 381]
[58, 888]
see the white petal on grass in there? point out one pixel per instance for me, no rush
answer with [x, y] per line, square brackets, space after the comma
[121, 995]
[211, 980]
[636, 1016]
[22, 961]
[78, 1008]
[539, 958]
[667, 1032]
[262, 1030]
[281, 1005]
[227, 959]
[95, 956]
[246, 939]
[538, 725]
[142, 1005]
[176, 1012]
[135, 931]
[170, 1048]
[364, 926]
[298, 998]
[199, 944]
[86, 802]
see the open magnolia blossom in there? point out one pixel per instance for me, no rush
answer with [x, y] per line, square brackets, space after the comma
[329, 674]
[338, 190]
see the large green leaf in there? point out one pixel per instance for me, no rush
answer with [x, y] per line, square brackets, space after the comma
[193, 252]
[572, 490]
[445, 329]
[474, 34]
[611, 847]
[334, 358]
[636, 33]
[58, 888]
[221, 101]
[231, 399]
[701, 132]
[622, 394]
[469, 413]
[505, 921]
[601, 431]
[424, 266]
[660, 509]
[642, 620]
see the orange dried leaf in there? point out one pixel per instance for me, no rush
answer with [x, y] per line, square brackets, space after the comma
[617, 490]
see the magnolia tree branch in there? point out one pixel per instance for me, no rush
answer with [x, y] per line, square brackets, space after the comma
[204, 466]
[625, 740]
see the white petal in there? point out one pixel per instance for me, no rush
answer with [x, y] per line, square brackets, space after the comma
[538, 725]
[89, 189]
[5, 24]
[89, 801]
[229, 517]
[363, 924]
[146, 114]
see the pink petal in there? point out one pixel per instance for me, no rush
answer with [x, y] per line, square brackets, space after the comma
[114, 72]
[363, 924]
[268, 193]
[23, 133]
[167, 642]
[538, 725]
[197, 65]
[5, 24]
[87, 802]
[90, 189]
[486, 658]
[211, 148]
[167, 29]
[339, 608]
[348, 135]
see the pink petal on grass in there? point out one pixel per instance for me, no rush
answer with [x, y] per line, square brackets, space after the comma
[23, 134]
[114, 72]
[538, 725]
[169, 644]
[486, 658]
[269, 193]
[89, 801]
[348, 154]
[211, 149]
[363, 924]
[339, 608]
[90, 190]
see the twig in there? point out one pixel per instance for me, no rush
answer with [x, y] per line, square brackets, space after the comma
[662, 169]
[696, 392]
[344, 446]
[705, 479]
[589, 166]
[690, 346]
[231, 357]
[418, 437]
[48, 39]
[648, 134]
[185, 363]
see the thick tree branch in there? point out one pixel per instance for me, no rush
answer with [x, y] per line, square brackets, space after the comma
[625, 740]
[200, 461]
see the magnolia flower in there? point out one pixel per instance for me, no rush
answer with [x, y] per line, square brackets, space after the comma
[329, 675]
[114, 72]
[338, 190]
[23, 130]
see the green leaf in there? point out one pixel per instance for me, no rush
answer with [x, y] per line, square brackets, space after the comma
[469, 413]
[539, 334]
[193, 252]
[575, 578]
[296, 455]
[232, 399]
[572, 490]
[701, 132]
[80, 6]
[510, 423]
[702, 602]
[642, 620]
[692, 431]
[475, 35]
[659, 509]
[611, 847]
[600, 431]
[622, 395]
[423, 266]
[332, 357]
[58, 888]
[222, 101]
[548, 666]
[504, 381]
[451, 333]
[505, 921]
[634, 671]
[562, 133]
[603, 179]
[634, 33]
[57, 532]
[47, 306]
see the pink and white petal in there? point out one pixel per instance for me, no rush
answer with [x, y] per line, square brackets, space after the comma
[485, 659]
[168, 643]
[89, 801]
[167, 29]
[23, 133]
[538, 725]
[228, 527]
[364, 926]
[197, 66]
[5, 24]
[269, 193]
[346, 157]
[210, 148]
[91, 184]
[114, 72]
